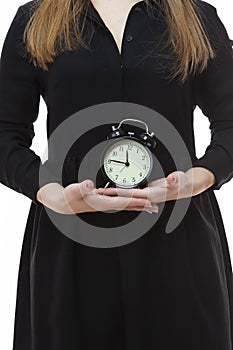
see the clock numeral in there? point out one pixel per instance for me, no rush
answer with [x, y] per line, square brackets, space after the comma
[130, 147]
[133, 179]
[116, 177]
[114, 153]
[137, 150]
[140, 174]
[143, 157]
[109, 161]
[110, 170]
[144, 166]
[124, 180]
[121, 148]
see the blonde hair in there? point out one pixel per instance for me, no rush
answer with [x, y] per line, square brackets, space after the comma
[53, 22]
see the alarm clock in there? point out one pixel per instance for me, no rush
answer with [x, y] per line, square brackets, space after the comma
[127, 162]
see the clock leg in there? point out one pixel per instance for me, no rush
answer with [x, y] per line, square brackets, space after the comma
[107, 184]
[101, 179]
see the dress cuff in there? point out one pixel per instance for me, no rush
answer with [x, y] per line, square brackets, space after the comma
[217, 160]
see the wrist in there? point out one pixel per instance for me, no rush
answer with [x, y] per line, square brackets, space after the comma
[202, 179]
[38, 196]
[50, 192]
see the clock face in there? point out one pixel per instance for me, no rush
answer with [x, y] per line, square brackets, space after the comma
[127, 162]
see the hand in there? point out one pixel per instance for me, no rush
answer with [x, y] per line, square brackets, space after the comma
[176, 185]
[82, 197]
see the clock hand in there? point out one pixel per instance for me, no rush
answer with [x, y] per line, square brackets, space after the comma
[139, 168]
[131, 163]
[117, 161]
[127, 158]
[123, 168]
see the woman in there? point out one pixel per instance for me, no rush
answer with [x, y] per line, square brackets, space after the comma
[159, 291]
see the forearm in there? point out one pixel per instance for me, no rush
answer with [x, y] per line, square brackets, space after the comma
[202, 179]
[51, 190]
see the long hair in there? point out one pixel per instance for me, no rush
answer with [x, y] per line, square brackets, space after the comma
[55, 21]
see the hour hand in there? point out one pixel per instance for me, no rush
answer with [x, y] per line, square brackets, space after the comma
[116, 161]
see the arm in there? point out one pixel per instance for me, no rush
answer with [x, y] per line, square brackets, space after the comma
[213, 93]
[19, 107]
[19, 165]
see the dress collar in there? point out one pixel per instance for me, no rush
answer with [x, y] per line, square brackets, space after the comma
[93, 13]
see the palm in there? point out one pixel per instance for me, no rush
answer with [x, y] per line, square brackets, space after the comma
[81, 200]
[156, 191]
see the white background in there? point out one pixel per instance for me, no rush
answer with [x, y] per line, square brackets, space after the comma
[14, 206]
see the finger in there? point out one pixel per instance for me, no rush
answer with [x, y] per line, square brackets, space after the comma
[117, 202]
[153, 206]
[86, 186]
[123, 192]
[172, 179]
[124, 202]
[175, 178]
[142, 209]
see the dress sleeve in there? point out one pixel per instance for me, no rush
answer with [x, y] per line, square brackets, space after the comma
[19, 107]
[213, 93]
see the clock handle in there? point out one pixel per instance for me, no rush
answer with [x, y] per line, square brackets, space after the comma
[135, 120]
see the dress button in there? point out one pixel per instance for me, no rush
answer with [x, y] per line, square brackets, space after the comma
[129, 38]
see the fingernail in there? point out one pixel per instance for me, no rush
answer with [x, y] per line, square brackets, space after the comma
[173, 178]
[153, 210]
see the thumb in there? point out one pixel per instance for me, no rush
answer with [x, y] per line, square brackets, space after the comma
[86, 186]
[172, 179]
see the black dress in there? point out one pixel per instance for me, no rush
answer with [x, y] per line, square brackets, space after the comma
[160, 291]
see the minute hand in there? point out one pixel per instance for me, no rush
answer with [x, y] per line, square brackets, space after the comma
[127, 158]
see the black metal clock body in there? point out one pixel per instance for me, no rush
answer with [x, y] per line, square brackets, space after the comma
[127, 161]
